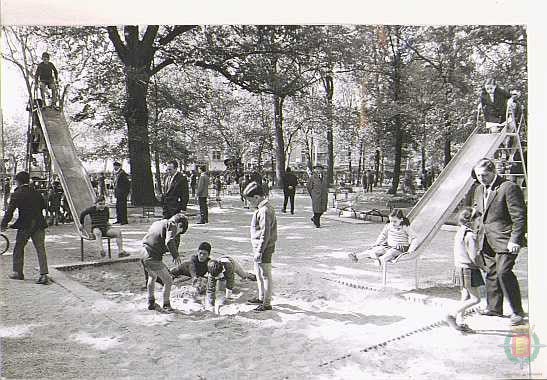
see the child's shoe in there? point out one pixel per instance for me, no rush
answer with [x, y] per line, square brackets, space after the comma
[102, 253]
[260, 308]
[167, 307]
[123, 254]
[254, 301]
[353, 257]
[152, 305]
[251, 277]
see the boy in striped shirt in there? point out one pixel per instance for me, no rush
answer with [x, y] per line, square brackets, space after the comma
[100, 227]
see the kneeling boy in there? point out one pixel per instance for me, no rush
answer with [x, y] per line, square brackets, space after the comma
[223, 270]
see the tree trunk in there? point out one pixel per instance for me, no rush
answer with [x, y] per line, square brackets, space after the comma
[158, 174]
[329, 92]
[349, 165]
[398, 154]
[279, 140]
[361, 168]
[136, 117]
[447, 146]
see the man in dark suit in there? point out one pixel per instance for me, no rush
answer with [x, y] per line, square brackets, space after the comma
[175, 191]
[30, 224]
[121, 191]
[500, 236]
[289, 189]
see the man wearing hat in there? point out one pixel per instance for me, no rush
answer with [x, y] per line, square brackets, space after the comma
[318, 188]
[263, 239]
[121, 191]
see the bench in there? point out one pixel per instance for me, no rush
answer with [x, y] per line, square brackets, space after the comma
[148, 211]
[104, 238]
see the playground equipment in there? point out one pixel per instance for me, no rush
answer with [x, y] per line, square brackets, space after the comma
[449, 188]
[61, 158]
[4, 244]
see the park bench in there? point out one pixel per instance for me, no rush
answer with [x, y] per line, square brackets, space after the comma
[82, 246]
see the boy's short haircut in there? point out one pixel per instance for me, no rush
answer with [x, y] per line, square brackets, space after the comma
[205, 247]
[174, 163]
[214, 268]
[100, 198]
[253, 189]
[203, 168]
[487, 164]
[22, 177]
[45, 55]
[116, 163]
[180, 219]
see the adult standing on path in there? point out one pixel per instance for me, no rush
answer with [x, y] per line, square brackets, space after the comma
[202, 193]
[175, 191]
[318, 188]
[121, 191]
[30, 224]
[370, 180]
[289, 189]
[193, 182]
[500, 237]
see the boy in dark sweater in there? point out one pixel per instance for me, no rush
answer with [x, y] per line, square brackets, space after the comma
[100, 227]
[47, 75]
[163, 236]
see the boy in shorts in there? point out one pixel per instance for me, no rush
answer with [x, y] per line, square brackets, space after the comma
[100, 227]
[163, 236]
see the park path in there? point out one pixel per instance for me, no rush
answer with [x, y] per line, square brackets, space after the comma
[318, 328]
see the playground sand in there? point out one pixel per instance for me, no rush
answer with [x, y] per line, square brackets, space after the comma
[318, 329]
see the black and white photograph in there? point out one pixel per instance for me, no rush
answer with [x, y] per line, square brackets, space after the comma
[219, 192]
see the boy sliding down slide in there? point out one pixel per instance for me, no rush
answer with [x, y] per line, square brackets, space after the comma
[223, 270]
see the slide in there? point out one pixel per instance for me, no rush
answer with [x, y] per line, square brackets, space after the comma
[449, 188]
[66, 164]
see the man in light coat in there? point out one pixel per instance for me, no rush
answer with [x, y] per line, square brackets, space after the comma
[318, 188]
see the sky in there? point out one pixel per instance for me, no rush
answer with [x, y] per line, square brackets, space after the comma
[69, 12]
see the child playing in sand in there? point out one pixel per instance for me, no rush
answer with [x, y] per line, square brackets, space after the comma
[395, 240]
[163, 236]
[196, 267]
[223, 270]
[466, 260]
[100, 227]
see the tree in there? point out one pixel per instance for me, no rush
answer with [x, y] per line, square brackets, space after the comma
[137, 53]
[263, 59]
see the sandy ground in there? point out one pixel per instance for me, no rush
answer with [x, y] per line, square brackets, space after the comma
[93, 322]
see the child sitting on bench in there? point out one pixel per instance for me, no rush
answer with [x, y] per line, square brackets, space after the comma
[395, 240]
[100, 227]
